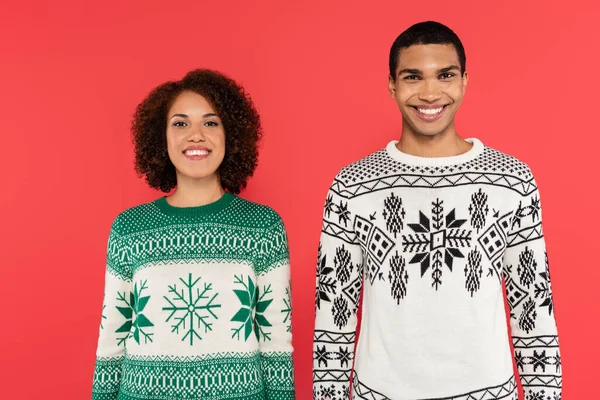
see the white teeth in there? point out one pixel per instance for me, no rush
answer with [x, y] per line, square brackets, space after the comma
[430, 111]
[196, 152]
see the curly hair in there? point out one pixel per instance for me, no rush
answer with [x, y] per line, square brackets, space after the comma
[234, 107]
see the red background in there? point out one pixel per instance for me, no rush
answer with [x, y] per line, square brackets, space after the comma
[72, 74]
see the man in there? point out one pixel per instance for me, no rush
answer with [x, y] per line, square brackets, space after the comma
[433, 224]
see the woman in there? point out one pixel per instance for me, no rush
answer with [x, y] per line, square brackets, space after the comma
[197, 292]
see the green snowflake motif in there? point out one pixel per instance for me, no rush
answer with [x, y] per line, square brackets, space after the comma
[189, 309]
[135, 305]
[288, 308]
[251, 314]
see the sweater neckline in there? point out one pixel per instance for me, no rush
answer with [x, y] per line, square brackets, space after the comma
[196, 211]
[409, 159]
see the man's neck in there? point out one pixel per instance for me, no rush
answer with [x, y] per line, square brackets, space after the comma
[446, 144]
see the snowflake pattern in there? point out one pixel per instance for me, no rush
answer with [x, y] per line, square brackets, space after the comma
[341, 312]
[340, 209]
[251, 313]
[528, 316]
[190, 308]
[345, 356]
[527, 267]
[134, 306]
[287, 311]
[538, 360]
[398, 277]
[343, 213]
[473, 271]
[533, 210]
[343, 264]
[437, 241]
[329, 206]
[543, 290]
[326, 283]
[478, 209]
[330, 393]
[393, 214]
[542, 395]
[321, 356]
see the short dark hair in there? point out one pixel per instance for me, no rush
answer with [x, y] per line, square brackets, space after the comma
[234, 107]
[429, 32]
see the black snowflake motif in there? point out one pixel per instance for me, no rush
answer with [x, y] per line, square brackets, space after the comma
[473, 271]
[437, 241]
[478, 210]
[520, 360]
[345, 392]
[536, 395]
[327, 392]
[341, 312]
[540, 360]
[398, 277]
[557, 362]
[321, 356]
[344, 357]
[343, 213]
[528, 316]
[543, 290]
[343, 264]
[329, 205]
[532, 211]
[326, 284]
[393, 214]
[527, 267]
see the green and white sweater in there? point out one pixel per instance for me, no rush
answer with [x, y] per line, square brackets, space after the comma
[197, 305]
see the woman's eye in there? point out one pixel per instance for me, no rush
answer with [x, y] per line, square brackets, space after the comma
[211, 123]
[179, 123]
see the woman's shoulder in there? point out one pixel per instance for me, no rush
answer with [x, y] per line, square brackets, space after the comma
[136, 218]
[256, 214]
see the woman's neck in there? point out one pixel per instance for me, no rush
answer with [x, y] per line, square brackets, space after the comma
[196, 192]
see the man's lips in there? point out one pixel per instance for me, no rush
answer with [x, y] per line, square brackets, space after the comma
[430, 112]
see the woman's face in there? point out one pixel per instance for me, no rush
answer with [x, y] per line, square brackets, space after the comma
[195, 137]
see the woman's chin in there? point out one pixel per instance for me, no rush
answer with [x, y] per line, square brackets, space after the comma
[197, 175]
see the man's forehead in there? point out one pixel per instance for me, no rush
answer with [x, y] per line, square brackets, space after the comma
[428, 56]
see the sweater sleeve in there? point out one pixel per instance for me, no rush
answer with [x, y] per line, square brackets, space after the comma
[273, 324]
[339, 283]
[116, 319]
[529, 295]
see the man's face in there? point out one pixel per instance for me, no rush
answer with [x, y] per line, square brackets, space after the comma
[428, 88]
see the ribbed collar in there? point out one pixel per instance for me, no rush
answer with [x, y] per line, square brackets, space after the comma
[197, 211]
[409, 159]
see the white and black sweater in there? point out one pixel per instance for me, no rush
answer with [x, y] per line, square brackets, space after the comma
[429, 241]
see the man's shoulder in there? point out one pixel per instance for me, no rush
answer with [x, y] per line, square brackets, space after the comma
[496, 161]
[372, 166]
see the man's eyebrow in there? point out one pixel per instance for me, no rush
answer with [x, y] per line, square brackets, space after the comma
[448, 69]
[411, 71]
